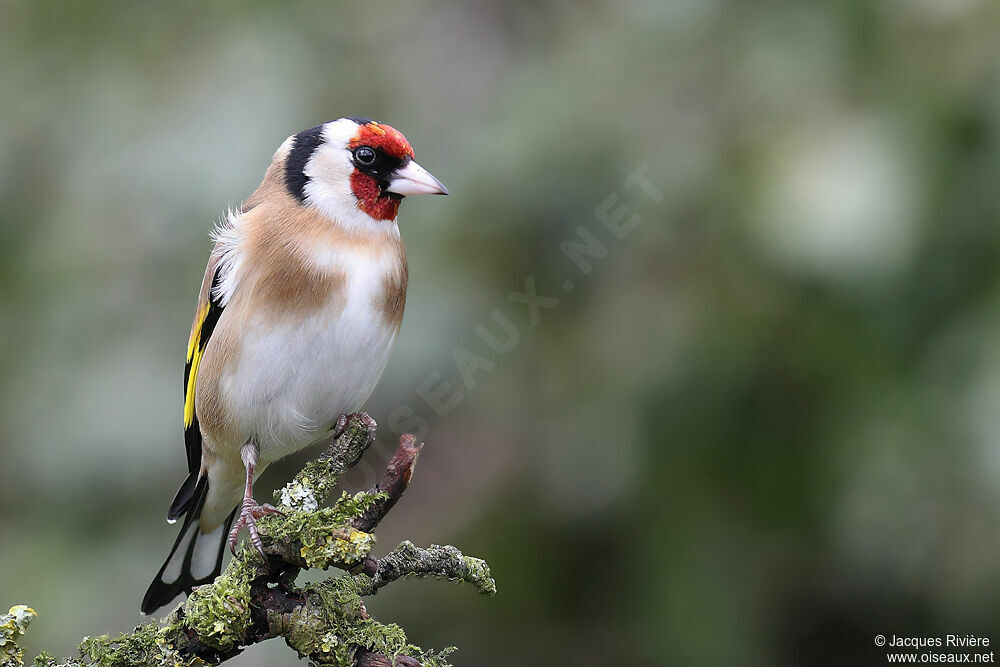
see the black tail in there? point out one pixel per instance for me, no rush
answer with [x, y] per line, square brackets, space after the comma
[185, 496]
[197, 550]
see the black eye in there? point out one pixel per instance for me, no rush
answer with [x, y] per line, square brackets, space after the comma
[365, 155]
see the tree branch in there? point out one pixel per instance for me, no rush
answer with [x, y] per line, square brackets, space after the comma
[254, 600]
[438, 562]
[397, 478]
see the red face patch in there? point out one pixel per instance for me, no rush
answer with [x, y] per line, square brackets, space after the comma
[391, 142]
[388, 139]
[370, 197]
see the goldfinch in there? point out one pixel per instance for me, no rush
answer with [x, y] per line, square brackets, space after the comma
[299, 308]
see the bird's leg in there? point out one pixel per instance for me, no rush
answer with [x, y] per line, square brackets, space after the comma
[250, 509]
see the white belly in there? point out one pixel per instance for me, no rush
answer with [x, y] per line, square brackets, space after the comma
[294, 379]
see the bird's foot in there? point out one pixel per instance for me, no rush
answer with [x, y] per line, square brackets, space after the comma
[249, 513]
[370, 424]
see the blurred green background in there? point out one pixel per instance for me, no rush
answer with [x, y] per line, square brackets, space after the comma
[761, 429]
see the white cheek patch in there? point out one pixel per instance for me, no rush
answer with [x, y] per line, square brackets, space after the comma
[329, 186]
[329, 170]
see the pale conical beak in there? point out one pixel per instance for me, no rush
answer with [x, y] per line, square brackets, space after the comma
[413, 179]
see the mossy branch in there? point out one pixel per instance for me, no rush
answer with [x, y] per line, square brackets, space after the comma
[254, 600]
[438, 562]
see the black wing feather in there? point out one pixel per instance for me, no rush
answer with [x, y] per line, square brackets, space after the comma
[190, 498]
[192, 430]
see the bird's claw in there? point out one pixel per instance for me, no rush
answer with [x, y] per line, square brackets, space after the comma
[370, 424]
[249, 513]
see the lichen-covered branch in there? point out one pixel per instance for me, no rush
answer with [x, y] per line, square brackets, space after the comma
[256, 599]
[12, 627]
[317, 480]
[438, 562]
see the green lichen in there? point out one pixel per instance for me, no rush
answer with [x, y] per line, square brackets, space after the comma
[348, 506]
[46, 659]
[145, 645]
[220, 612]
[317, 480]
[343, 626]
[339, 598]
[345, 546]
[476, 571]
[435, 658]
[13, 624]
[439, 562]
[326, 536]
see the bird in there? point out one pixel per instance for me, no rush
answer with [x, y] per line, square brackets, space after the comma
[299, 308]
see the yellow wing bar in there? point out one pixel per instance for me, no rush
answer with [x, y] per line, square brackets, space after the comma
[196, 348]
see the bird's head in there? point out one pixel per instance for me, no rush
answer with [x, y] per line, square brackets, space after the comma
[354, 170]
